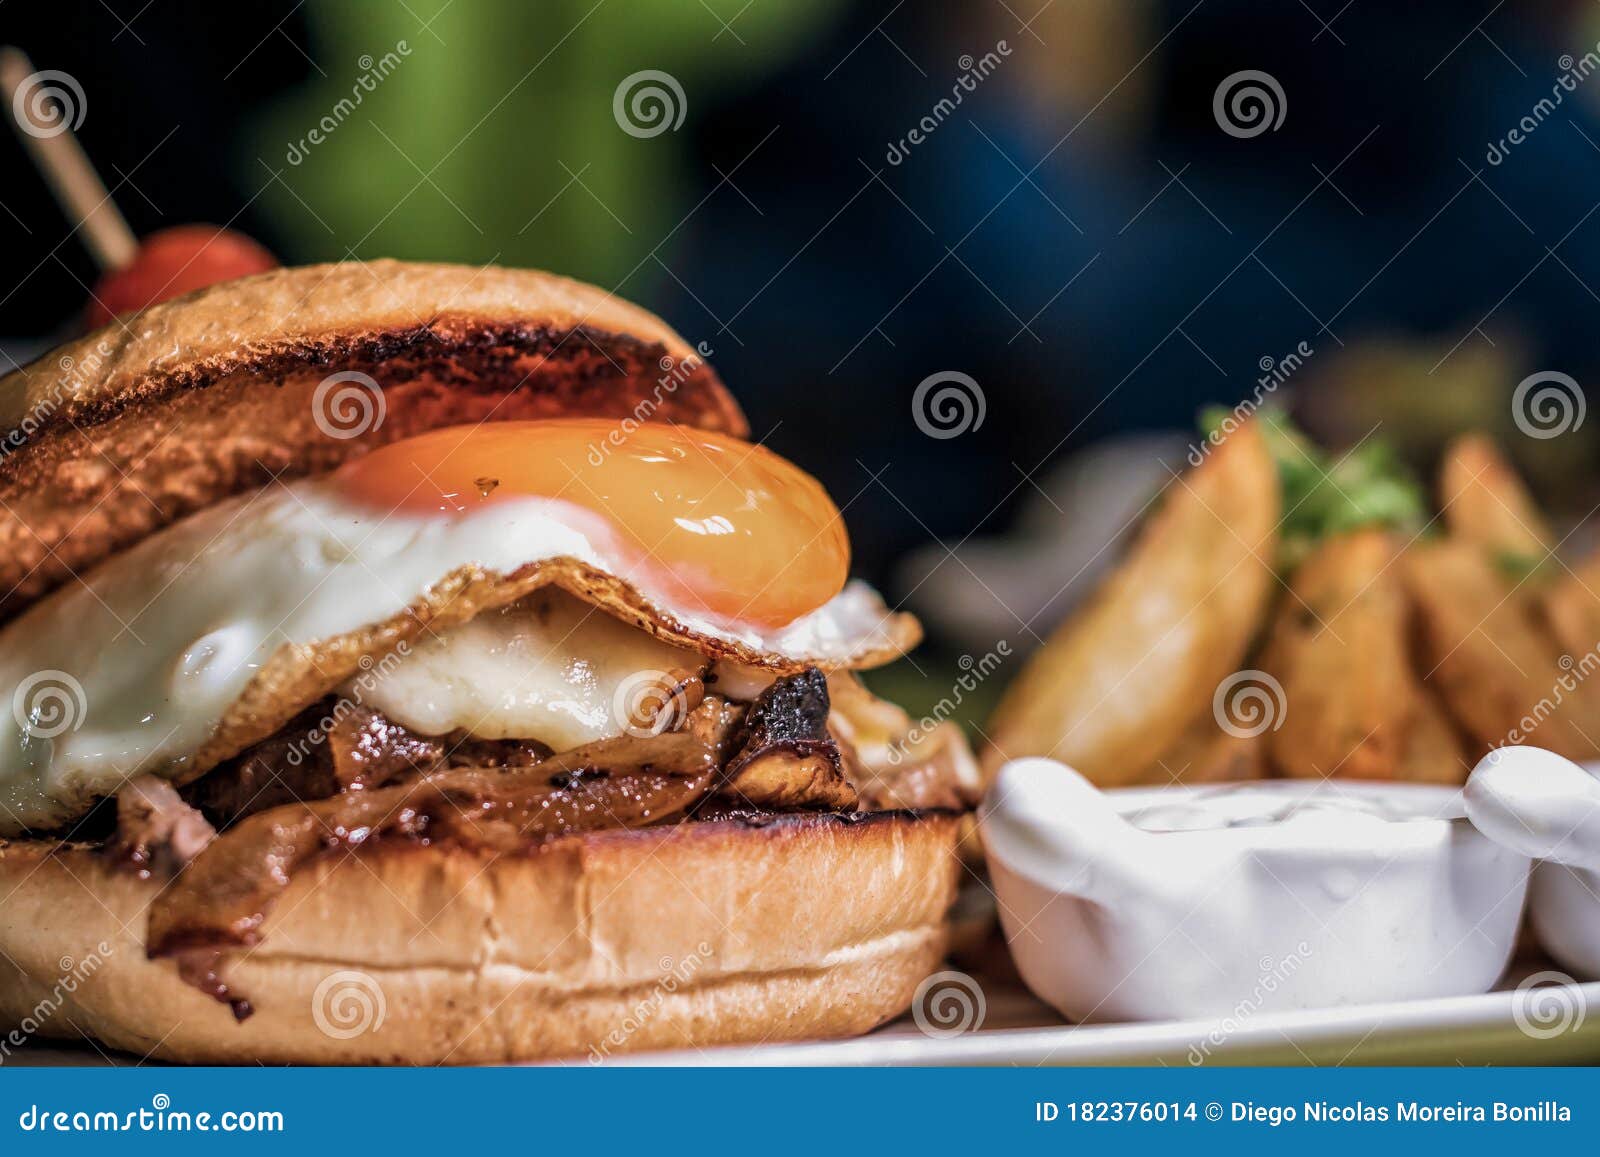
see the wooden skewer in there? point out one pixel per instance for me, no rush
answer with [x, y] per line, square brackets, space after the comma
[78, 189]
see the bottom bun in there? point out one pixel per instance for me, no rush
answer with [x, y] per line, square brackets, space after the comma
[799, 926]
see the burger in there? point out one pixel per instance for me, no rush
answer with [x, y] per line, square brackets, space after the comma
[418, 664]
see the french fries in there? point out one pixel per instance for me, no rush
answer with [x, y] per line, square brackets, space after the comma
[1119, 682]
[1339, 650]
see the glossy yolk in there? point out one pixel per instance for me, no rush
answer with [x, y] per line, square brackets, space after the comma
[709, 523]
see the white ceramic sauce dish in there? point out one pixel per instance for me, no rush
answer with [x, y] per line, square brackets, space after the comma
[1564, 905]
[1549, 807]
[1227, 900]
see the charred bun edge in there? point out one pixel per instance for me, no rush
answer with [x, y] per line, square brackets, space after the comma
[473, 353]
[113, 436]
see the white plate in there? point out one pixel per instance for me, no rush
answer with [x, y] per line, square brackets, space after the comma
[1466, 1030]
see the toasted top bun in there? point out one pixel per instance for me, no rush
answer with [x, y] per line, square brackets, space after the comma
[166, 411]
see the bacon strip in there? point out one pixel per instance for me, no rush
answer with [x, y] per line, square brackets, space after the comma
[224, 896]
[786, 758]
[157, 833]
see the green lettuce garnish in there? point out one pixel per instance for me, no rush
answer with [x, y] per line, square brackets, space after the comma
[1326, 494]
[1518, 567]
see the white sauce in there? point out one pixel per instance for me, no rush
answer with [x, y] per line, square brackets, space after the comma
[1251, 806]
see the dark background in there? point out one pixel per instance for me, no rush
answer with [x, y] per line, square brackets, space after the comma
[1079, 235]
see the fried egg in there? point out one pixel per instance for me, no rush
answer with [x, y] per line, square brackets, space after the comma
[674, 547]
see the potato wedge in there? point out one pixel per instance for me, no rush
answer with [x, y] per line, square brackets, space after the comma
[1485, 502]
[1205, 753]
[1117, 684]
[1434, 751]
[1495, 666]
[1339, 649]
[1571, 608]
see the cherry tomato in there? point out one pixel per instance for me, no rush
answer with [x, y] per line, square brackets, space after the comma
[173, 262]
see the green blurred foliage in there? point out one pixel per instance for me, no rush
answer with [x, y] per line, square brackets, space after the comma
[1326, 494]
[492, 137]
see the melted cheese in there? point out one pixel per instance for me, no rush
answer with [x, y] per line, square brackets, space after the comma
[550, 668]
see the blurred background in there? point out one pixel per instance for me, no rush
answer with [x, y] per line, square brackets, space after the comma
[936, 249]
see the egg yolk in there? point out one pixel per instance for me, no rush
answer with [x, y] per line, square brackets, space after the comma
[711, 523]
